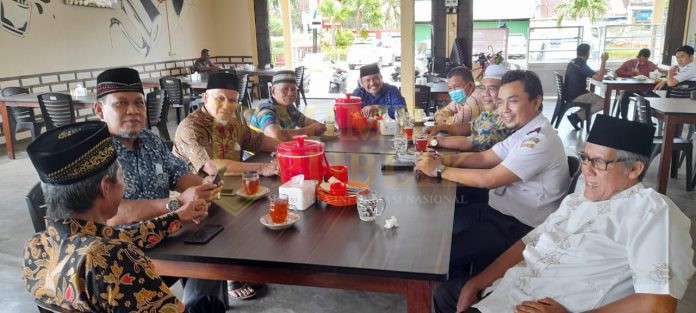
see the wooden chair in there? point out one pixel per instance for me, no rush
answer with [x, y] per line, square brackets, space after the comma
[22, 118]
[157, 111]
[175, 95]
[679, 145]
[36, 204]
[562, 106]
[57, 109]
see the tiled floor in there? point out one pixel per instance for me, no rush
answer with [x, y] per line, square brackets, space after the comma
[15, 227]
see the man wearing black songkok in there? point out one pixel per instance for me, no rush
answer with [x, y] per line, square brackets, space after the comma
[616, 246]
[375, 93]
[81, 264]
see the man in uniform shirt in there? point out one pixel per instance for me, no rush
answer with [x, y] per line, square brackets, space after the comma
[527, 175]
[81, 264]
[616, 247]
[375, 93]
[278, 117]
[213, 136]
[575, 84]
[686, 71]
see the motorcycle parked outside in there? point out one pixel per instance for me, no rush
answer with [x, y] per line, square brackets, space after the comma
[337, 84]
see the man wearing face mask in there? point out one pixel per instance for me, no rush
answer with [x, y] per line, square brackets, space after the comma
[375, 93]
[464, 106]
[213, 136]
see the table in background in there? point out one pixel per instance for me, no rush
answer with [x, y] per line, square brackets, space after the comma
[371, 142]
[329, 246]
[154, 83]
[439, 91]
[620, 84]
[31, 100]
[672, 111]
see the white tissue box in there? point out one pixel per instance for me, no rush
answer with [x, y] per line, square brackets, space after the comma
[388, 127]
[300, 195]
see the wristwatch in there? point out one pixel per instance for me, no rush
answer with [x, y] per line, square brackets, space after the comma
[433, 142]
[439, 171]
[173, 205]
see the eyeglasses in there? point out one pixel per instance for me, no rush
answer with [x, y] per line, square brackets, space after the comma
[597, 163]
[491, 89]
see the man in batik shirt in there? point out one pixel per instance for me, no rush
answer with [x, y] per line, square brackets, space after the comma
[79, 263]
[213, 136]
[278, 117]
[487, 129]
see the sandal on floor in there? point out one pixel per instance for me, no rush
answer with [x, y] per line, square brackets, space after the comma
[238, 290]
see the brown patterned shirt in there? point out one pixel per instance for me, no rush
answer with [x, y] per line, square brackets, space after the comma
[84, 266]
[199, 139]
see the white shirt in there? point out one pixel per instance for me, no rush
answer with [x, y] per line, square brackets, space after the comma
[589, 254]
[686, 72]
[536, 155]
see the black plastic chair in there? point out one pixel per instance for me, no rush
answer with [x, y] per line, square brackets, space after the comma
[37, 207]
[57, 109]
[175, 95]
[243, 89]
[562, 105]
[679, 145]
[574, 169]
[157, 111]
[422, 95]
[299, 78]
[22, 118]
[682, 90]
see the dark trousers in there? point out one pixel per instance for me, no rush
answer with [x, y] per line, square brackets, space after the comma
[446, 296]
[205, 304]
[481, 234]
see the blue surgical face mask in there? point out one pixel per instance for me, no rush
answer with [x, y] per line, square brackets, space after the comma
[458, 96]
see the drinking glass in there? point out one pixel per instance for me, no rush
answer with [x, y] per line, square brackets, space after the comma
[278, 208]
[250, 180]
[370, 205]
[421, 142]
[400, 143]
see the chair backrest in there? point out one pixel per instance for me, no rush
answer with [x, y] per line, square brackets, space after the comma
[19, 114]
[559, 86]
[574, 169]
[57, 109]
[243, 90]
[37, 207]
[299, 76]
[422, 96]
[644, 111]
[157, 107]
[683, 90]
[175, 93]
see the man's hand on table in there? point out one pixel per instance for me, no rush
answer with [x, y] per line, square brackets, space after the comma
[195, 211]
[269, 169]
[546, 305]
[660, 85]
[427, 163]
[370, 110]
[316, 129]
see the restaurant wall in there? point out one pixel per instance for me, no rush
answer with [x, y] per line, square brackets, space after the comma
[233, 22]
[60, 37]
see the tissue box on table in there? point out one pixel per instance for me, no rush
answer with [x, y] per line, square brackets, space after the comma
[301, 193]
[388, 127]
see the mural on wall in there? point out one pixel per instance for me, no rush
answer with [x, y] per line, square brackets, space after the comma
[15, 15]
[144, 28]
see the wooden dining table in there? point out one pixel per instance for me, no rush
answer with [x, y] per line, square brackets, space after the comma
[329, 246]
[611, 86]
[368, 142]
[31, 100]
[672, 111]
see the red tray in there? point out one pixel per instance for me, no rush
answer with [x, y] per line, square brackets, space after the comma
[347, 200]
